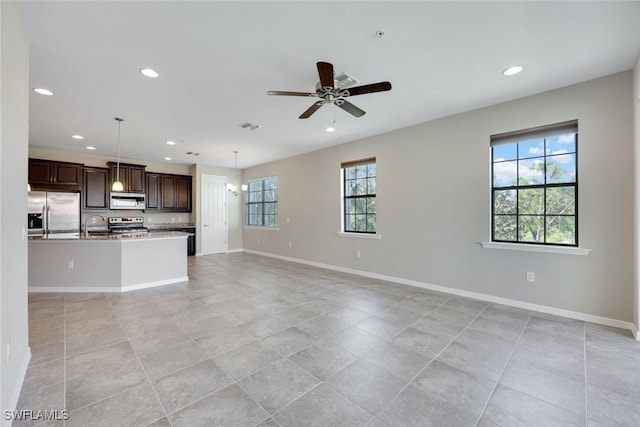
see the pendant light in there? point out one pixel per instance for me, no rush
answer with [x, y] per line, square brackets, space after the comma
[117, 185]
[233, 189]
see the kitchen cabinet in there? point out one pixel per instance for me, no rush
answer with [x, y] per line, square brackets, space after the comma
[168, 193]
[47, 174]
[132, 177]
[183, 193]
[153, 186]
[95, 188]
[189, 229]
[191, 240]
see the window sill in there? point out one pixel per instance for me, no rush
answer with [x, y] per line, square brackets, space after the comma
[536, 248]
[257, 227]
[360, 235]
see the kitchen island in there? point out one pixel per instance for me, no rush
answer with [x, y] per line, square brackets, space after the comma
[107, 262]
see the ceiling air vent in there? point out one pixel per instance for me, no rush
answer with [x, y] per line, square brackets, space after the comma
[249, 126]
[345, 80]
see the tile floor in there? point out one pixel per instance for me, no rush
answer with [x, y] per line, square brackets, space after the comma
[253, 341]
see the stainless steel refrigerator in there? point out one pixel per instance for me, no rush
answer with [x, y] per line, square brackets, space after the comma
[54, 214]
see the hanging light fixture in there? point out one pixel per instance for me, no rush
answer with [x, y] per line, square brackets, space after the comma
[233, 189]
[117, 185]
[332, 126]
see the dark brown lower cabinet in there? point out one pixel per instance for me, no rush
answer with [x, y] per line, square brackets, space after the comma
[191, 240]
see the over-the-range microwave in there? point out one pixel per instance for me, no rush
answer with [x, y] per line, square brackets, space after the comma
[127, 201]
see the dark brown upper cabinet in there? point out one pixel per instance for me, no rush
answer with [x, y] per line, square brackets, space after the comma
[131, 176]
[52, 175]
[168, 193]
[96, 189]
[154, 197]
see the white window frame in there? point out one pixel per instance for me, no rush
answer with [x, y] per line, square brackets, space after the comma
[246, 206]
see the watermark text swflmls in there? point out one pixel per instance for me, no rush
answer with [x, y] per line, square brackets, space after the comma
[37, 415]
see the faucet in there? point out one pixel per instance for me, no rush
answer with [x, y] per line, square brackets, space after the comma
[86, 230]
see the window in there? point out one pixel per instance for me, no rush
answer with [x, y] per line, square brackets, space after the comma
[359, 196]
[261, 207]
[535, 186]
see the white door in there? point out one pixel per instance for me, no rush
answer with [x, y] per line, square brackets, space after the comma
[214, 214]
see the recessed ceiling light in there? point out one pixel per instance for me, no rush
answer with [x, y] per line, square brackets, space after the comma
[149, 73]
[90, 147]
[515, 69]
[330, 129]
[43, 91]
[77, 136]
[168, 158]
[171, 143]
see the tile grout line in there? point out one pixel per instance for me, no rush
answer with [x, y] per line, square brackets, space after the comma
[524, 328]
[432, 359]
[64, 369]
[438, 354]
[164, 410]
[586, 400]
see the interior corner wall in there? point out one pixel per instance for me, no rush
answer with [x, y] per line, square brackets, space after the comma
[434, 204]
[14, 114]
[234, 204]
[636, 116]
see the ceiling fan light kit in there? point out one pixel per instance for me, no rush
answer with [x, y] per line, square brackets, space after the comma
[332, 91]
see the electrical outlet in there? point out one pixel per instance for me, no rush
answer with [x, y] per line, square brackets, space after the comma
[258, 240]
[173, 219]
[287, 220]
[358, 253]
[290, 244]
[531, 276]
[70, 264]
[149, 219]
[8, 351]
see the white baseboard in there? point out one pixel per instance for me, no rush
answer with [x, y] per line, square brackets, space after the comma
[15, 396]
[146, 285]
[107, 289]
[233, 251]
[468, 294]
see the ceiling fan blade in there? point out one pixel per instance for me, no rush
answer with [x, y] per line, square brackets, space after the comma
[351, 109]
[311, 110]
[325, 71]
[285, 93]
[373, 87]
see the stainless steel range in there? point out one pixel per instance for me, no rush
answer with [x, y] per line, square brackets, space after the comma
[126, 224]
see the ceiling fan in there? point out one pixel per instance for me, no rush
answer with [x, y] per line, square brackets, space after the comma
[331, 92]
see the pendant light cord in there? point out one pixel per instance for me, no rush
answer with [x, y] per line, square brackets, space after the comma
[119, 120]
[334, 114]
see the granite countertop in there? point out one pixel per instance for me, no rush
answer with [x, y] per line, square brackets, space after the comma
[168, 225]
[107, 236]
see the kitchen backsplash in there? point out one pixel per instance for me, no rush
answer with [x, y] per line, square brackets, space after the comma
[149, 218]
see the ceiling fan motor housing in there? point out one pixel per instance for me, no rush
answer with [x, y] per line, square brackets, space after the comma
[332, 89]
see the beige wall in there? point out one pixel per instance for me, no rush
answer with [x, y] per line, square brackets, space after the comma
[636, 111]
[434, 204]
[14, 113]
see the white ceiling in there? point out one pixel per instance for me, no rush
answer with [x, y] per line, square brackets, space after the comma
[217, 60]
